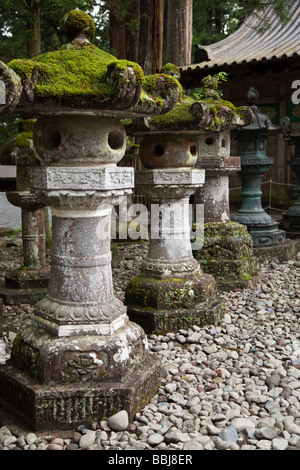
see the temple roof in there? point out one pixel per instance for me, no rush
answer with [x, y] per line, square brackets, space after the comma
[248, 45]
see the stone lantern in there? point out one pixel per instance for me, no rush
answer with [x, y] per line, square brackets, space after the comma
[172, 291]
[291, 218]
[30, 281]
[81, 359]
[227, 252]
[252, 140]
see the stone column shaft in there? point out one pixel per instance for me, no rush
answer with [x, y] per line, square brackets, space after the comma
[34, 238]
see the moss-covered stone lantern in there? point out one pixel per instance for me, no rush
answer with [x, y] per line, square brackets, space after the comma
[81, 359]
[28, 282]
[227, 252]
[172, 291]
[252, 140]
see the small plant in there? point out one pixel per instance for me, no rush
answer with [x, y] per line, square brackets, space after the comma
[208, 82]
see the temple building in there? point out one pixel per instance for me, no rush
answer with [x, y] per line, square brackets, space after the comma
[269, 61]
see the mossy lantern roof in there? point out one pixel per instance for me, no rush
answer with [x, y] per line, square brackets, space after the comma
[79, 77]
[193, 116]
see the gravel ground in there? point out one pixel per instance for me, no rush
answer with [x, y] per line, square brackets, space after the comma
[233, 386]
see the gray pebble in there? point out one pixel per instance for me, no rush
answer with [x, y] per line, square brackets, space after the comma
[54, 447]
[279, 444]
[265, 433]
[87, 439]
[119, 421]
[229, 434]
[94, 447]
[155, 439]
[193, 445]
[231, 386]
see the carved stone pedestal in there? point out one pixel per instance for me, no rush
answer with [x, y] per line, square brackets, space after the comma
[171, 292]
[81, 360]
[227, 252]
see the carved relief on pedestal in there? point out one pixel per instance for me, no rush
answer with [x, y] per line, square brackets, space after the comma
[64, 313]
[170, 269]
[84, 365]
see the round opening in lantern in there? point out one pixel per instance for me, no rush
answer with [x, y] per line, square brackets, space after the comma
[115, 140]
[209, 141]
[159, 150]
[193, 150]
[52, 139]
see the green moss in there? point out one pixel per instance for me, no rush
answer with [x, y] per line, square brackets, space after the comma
[75, 22]
[178, 118]
[75, 74]
[181, 117]
[24, 68]
[26, 125]
[227, 254]
[22, 140]
[121, 65]
[160, 87]
[169, 293]
[171, 69]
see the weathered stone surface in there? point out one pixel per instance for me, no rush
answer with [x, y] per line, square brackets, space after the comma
[158, 151]
[227, 254]
[10, 89]
[81, 360]
[66, 406]
[33, 274]
[171, 291]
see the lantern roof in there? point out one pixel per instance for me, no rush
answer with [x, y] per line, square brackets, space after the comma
[260, 120]
[79, 77]
[206, 112]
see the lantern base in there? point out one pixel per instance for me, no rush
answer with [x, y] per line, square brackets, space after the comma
[55, 382]
[25, 285]
[66, 406]
[266, 235]
[28, 278]
[12, 296]
[227, 254]
[163, 305]
[291, 223]
[283, 251]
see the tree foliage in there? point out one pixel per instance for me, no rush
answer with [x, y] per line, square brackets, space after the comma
[17, 33]
[16, 24]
